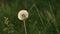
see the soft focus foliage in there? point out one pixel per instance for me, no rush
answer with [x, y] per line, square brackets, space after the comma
[44, 16]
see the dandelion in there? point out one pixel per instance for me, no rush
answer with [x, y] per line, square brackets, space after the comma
[23, 15]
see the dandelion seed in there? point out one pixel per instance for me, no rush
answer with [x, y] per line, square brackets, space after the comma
[23, 15]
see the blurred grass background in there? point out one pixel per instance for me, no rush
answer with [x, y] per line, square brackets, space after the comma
[44, 16]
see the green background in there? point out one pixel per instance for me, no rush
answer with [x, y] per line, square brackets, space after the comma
[44, 16]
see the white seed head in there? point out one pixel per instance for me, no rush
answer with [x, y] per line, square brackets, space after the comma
[23, 15]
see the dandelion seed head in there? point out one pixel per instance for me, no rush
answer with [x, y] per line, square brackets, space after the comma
[23, 15]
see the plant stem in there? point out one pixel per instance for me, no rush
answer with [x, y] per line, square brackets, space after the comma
[25, 27]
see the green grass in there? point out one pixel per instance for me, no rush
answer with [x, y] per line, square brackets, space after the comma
[44, 16]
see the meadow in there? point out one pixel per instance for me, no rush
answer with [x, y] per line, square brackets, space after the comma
[44, 16]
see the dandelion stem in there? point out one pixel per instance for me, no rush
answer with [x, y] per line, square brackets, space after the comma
[25, 27]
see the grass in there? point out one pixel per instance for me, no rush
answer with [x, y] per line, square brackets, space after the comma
[43, 16]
